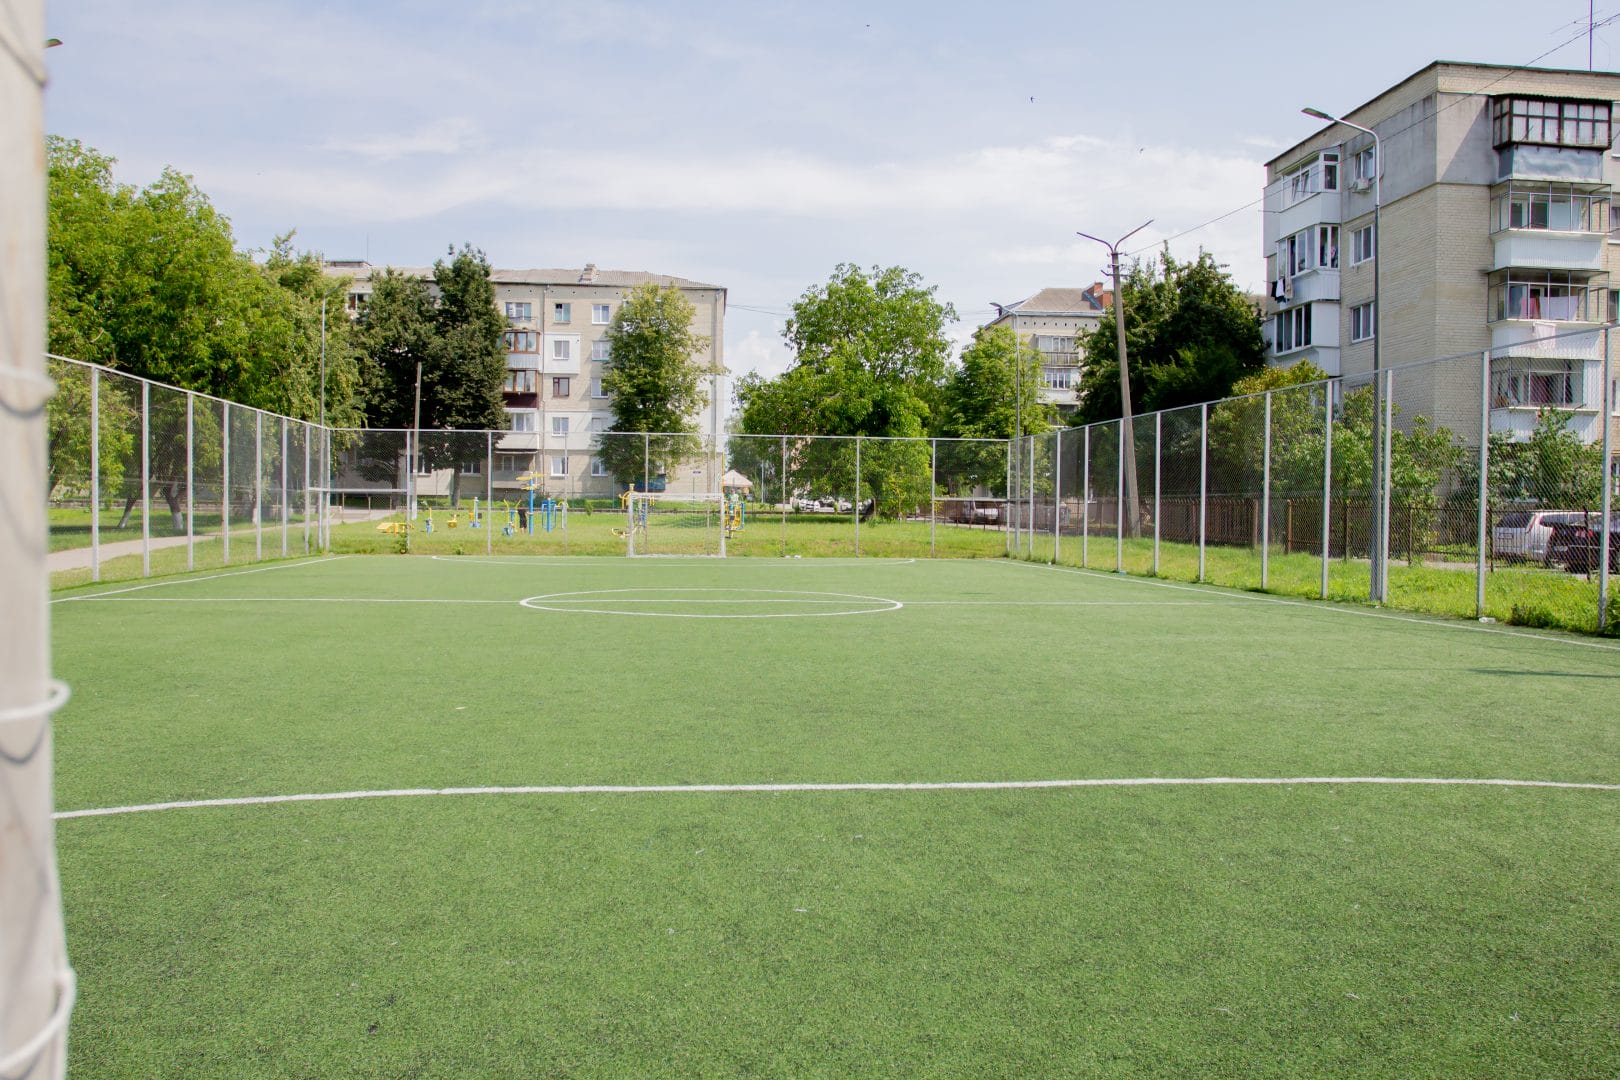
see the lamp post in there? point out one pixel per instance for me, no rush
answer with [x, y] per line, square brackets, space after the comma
[1378, 590]
[1127, 434]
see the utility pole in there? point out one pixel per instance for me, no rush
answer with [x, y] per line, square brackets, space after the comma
[1133, 524]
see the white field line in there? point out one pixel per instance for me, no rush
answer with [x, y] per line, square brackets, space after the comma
[766, 789]
[206, 577]
[296, 600]
[669, 560]
[1311, 605]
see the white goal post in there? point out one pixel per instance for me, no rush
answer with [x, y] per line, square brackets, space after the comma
[36, 984]
[681, 523]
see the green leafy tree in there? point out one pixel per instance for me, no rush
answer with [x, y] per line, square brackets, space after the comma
[1190, 334]
[655, 379]
[455, 339]
[998, 379]
[870, 352]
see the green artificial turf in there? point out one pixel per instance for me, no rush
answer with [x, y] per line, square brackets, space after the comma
[1276, 931]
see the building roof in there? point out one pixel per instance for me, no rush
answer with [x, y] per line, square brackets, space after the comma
[1061, 301]
[1469, 73]
[587, 275]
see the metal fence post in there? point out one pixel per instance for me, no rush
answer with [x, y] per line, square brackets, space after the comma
[1383, 487]
[857, 500]
[933, 493]
[1482, 494]
[1030, 496]
[489, 493]
[284, 521]
[225, 482]
[258, 484]
[1327, 482]
[1606, 522]
[410, 486]
[146, 479]
[191, 533]
[1158, 488]
[1265, 498]
[786, 497]
[646, 464]
[95, 474]
[1203, 484]
[1119, 502]
[1085, 496]
[1007, 527]
[1057, 493]
[308, 431]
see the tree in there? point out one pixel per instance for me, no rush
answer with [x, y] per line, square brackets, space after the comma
[999, 378]
[1551, 468]
[1190, 334]
[455, 339]
[654, 379]
[870, 352]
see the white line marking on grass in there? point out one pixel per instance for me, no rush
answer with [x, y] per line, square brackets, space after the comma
[1311, 605]
[675, 560]
[1060, 603]
[292, 600]
[551, 602]
[767, 789]
[205, 577]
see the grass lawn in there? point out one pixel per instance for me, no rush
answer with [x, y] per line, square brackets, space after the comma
[1289, 929]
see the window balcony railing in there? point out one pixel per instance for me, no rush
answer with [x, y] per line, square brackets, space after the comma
[1553, 207]
[1544, 297]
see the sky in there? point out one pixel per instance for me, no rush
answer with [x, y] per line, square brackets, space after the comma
[756, 145]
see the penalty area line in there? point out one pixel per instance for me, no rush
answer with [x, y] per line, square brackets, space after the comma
[206, 577]
[768, 789]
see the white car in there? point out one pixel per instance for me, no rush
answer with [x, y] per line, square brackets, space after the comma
[1521, 535]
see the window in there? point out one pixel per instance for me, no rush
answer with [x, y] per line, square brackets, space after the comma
[601, 351]
[1543, 295]
[358, 300]
[1327, 247]
[1535, 383]
[1320, 173]
[1058, 378]
[1294, 328]
[519, 381]
[599, 423]
[1052, 343]
[598, 467]
[1362, 244]
[473, 467]
[561, 313]
[1330, 170]
[511, 463]
[559, 465]
[596, 389]
[1565, 207]
[1551, 122]
[1364, 166]
[1363, 324]
[562, 349]
[518, 312]
[522, 341]
[559, 425]
[599, 314]
[522, 421]
[559, 386]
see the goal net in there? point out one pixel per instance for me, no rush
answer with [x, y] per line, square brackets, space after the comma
[663, 523]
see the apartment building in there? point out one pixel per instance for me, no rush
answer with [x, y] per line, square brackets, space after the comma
[1054, 320]
[556, 353]
[1495, 197]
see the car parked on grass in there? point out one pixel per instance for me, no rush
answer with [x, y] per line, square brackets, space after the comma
[1522, 535]
[1578, 545]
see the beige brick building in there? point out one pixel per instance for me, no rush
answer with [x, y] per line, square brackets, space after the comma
[1496, 189]
[1053, 320]
[556, 351]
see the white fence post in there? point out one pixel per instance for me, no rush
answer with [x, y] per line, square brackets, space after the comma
[1265, 499]
[1483, 488]
[1327, 483]
[95, 474]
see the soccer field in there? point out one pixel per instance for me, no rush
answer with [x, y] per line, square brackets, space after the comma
[455, 816]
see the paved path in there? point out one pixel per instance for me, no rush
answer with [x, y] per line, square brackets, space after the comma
[79, 558]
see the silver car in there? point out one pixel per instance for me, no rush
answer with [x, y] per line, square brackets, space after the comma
[1521, 535]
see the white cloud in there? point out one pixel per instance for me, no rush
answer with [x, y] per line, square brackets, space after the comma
[452, 135]
[756, 352]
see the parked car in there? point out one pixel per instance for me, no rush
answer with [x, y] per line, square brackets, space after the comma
[1522, 535]
[1578, 545]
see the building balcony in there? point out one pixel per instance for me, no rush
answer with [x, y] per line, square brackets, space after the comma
[523, 361]
[1539, 340]
[1543, 249]
[1314, 285]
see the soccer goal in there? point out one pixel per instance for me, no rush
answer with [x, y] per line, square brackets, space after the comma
[663, 523]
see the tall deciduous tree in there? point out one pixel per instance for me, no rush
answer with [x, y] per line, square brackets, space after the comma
[655, 379]
[1190, 334]
[870, 352]
[454, 332]
[996, 388]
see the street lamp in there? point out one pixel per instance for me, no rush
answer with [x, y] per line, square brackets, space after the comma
[1378, 591]
[1127, 433]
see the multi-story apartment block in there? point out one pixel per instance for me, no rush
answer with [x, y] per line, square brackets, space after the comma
[1496, 190]
[556, 353]
[1054, 321]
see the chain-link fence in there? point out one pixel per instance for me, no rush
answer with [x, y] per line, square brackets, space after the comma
[1481, 484]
